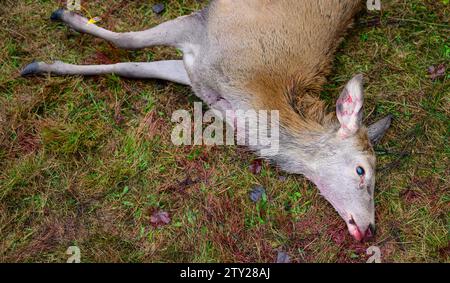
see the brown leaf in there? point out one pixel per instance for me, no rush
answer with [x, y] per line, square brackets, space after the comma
[256, 166]
[436, 72]
[160, 218]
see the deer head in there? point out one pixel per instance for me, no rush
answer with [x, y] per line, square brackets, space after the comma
[345, 174]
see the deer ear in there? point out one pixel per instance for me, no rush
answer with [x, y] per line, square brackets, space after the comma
[376, 131]
[349, 107]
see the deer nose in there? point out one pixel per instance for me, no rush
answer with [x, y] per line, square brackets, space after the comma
[361, 235]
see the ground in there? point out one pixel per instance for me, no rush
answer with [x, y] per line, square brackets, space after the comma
[87, 162]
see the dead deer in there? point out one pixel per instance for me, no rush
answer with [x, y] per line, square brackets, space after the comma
[270, 55]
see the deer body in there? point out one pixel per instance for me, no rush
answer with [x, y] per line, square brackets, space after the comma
[266, 55]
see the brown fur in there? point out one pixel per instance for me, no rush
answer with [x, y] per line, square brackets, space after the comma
[363, 141]
[295, 56]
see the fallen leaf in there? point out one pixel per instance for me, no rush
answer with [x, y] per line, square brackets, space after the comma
[283, 257]
[436, 72]
[256, 166]
[100, 58]
[257, 193]
[158, 8]
[160, 218]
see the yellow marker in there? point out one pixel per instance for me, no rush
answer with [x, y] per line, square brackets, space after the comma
[94, 20]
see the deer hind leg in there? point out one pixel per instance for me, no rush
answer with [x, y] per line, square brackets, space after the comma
[180, 32]
[172, 70]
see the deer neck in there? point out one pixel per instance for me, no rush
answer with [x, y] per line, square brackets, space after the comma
[302, 152]
[307, 132]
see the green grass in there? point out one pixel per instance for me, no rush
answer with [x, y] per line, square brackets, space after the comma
[85, 161]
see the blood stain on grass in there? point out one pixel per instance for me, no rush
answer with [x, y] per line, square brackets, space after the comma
[99, 58]
[151, 125]
[410, 195]
[445, 252]
[227, 228]
[350, 251]
[53, 232]
[28, 142]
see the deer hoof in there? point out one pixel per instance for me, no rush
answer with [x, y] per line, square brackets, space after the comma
[57, 15]
[30, 69]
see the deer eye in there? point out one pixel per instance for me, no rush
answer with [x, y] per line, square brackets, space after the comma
[360, 171]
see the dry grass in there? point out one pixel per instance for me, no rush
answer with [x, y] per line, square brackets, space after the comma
[86, 161]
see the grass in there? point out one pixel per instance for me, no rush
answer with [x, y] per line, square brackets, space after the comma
[86, 161]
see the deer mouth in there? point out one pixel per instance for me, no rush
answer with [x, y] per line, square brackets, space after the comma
[359, 235]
